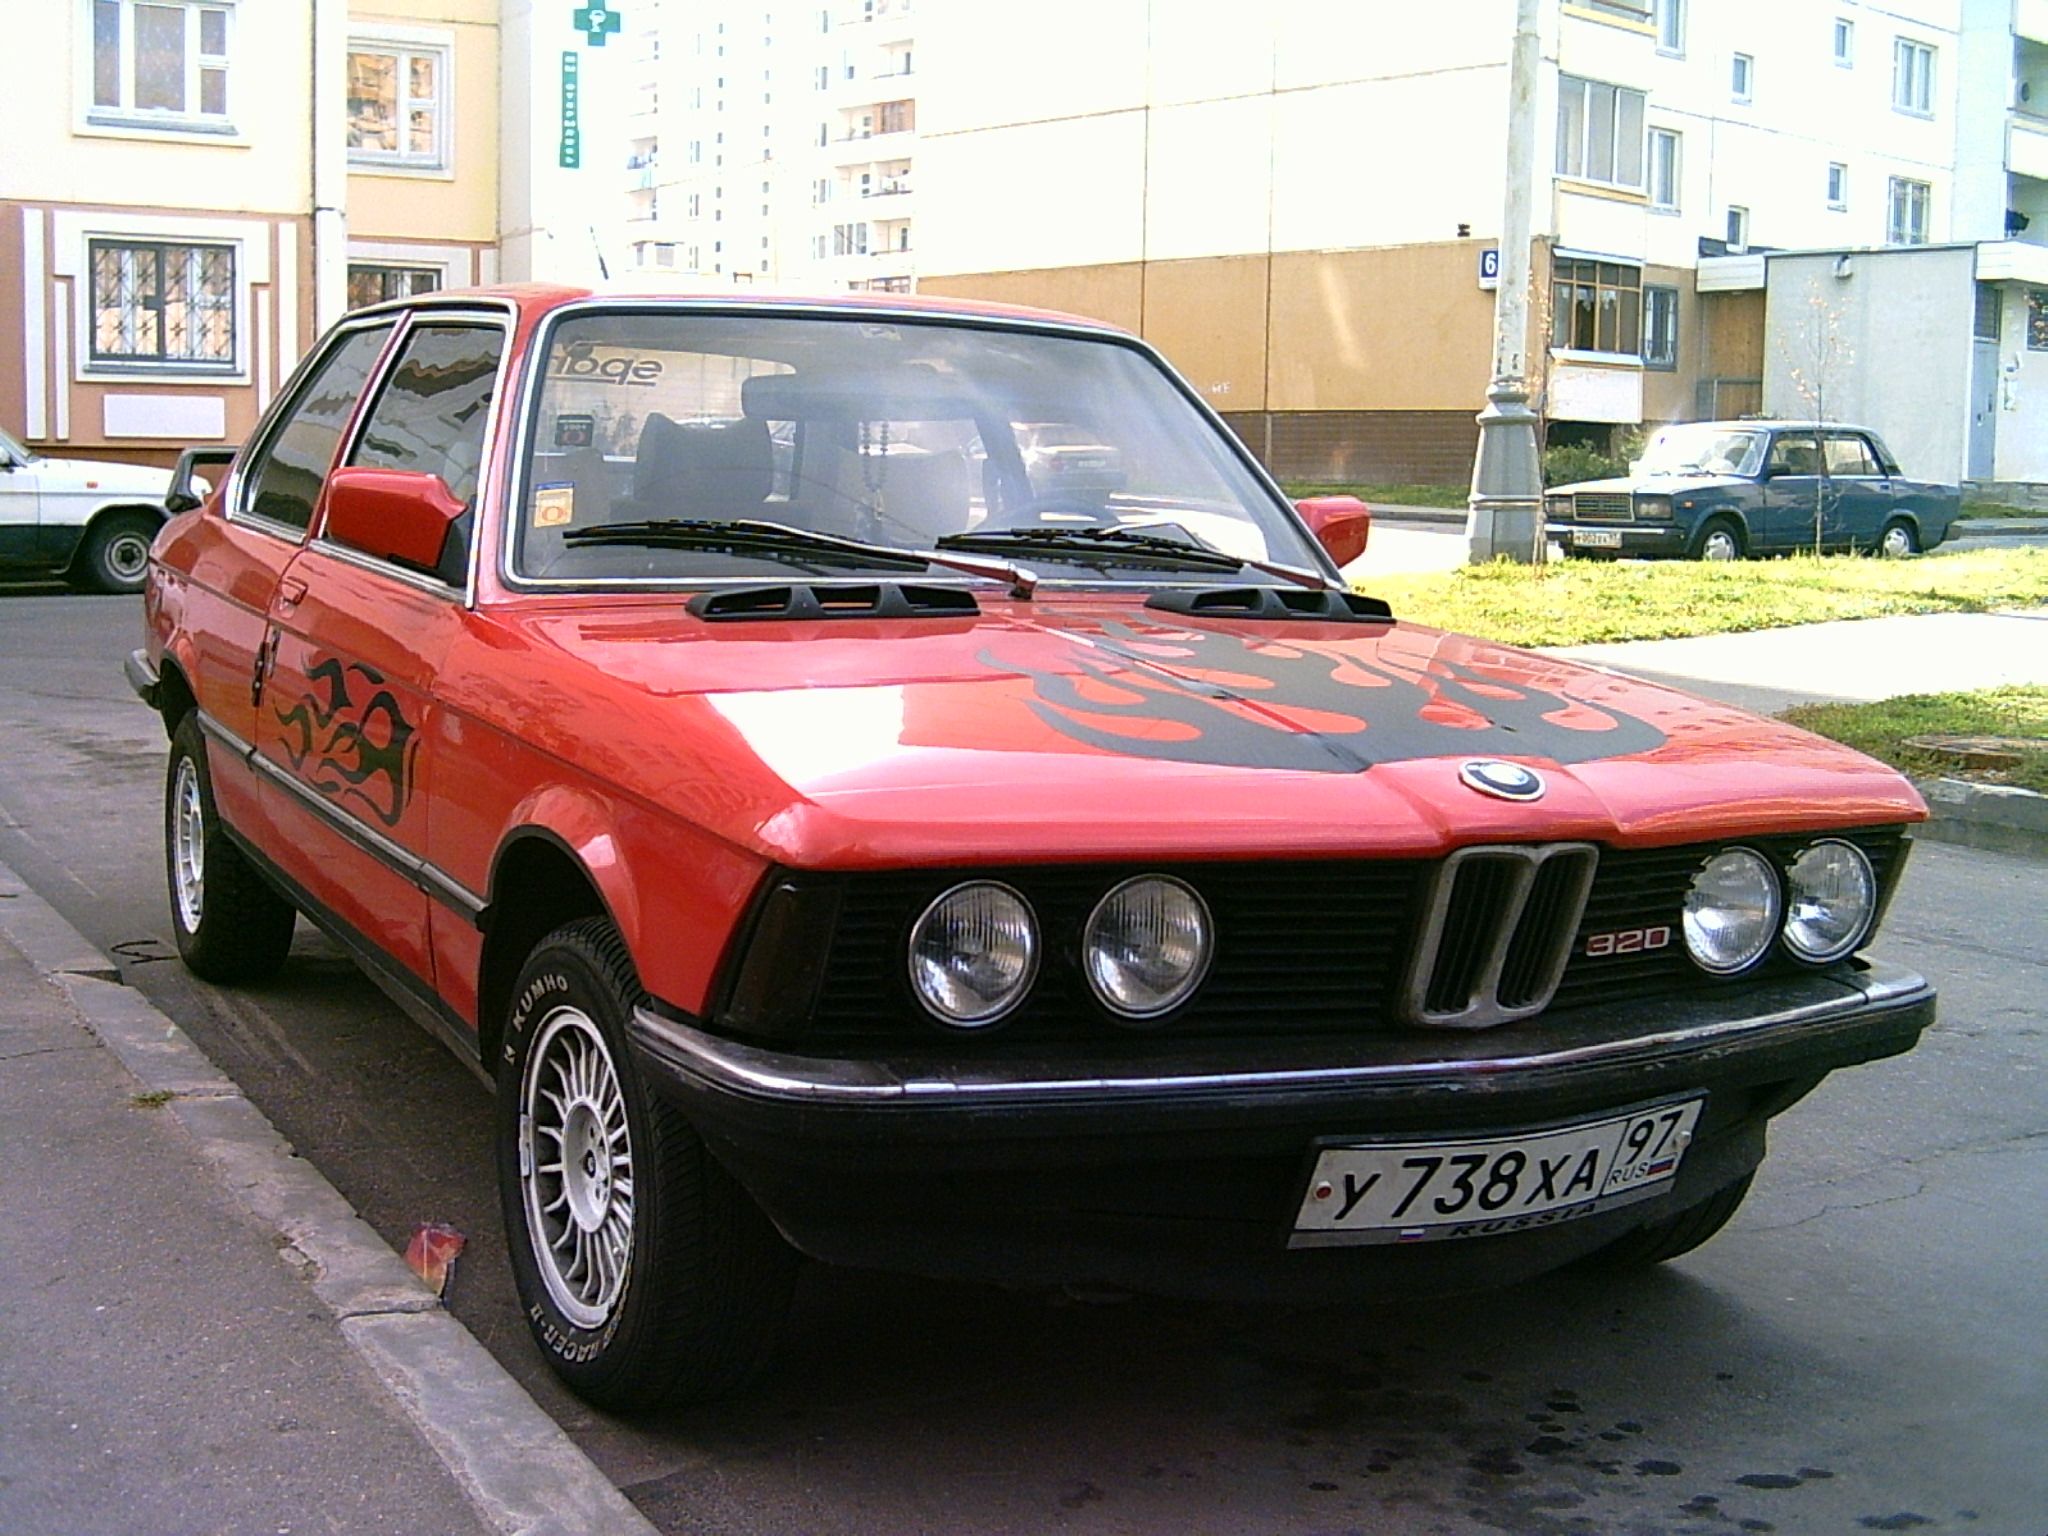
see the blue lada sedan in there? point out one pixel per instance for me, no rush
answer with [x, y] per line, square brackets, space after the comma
[1720, 490]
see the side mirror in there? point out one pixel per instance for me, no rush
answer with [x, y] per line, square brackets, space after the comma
[184, 493]
[1341, 524]
[399, 515]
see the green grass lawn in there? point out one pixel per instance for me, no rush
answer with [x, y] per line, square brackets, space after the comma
[1881, 729]
[1383, 495]
[1578, 602]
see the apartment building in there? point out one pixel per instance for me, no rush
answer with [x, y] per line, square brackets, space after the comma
[1301, 203]
[773, 145]
[180, 214]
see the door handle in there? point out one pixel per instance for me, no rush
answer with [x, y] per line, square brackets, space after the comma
[289, 591]
[266, 656]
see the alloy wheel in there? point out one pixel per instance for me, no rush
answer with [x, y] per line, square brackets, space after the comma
[576, 1167]
[188, 845]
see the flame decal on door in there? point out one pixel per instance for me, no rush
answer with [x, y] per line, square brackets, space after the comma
[350, 751]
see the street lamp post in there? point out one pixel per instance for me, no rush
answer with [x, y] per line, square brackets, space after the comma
[1506, 516]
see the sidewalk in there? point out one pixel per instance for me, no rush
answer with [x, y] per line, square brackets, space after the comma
[199, 1334]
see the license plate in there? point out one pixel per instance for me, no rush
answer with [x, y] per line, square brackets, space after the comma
[1596, 538]
[1416, 1191]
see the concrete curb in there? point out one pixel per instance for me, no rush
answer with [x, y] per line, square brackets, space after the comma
[1994, 816]
[522, 1474]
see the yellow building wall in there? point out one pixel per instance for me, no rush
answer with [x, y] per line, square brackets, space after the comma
[462, 205]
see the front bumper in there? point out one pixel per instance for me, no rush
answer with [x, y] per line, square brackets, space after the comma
[142, 676]
[1179, 1168]
[1661, 538]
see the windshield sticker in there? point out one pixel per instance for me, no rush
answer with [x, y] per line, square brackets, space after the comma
[1199, 696]
[350, 750]
[554, 506]
[575, 430]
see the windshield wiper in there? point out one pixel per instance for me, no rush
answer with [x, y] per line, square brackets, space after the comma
[755, 536]
[1127, 546]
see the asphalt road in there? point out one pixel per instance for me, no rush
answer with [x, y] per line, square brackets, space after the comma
[1861, 1350]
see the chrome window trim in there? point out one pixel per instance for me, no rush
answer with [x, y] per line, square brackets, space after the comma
[500, 314]
[543, 337]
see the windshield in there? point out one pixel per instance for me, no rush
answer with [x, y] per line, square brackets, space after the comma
[892, 432]
[1701, 449]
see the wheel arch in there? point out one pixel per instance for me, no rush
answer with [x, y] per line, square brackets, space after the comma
[539, 881]
[1732, 515]
[102, 515]
[174, 696]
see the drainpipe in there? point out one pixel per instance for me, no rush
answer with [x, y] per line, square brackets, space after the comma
[329, 96]
[1506, 508]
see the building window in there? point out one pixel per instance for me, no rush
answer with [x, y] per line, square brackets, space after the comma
[1664, 170]
[1738, 228]
[1596, 306]
[1845, 42]
[397, 105]
[1907, 222]
[1671, 27]
[160, 64]
[158, 303]
[1989, 320]
[1742, 77]
[1660, 328]
[1838, 185]
[897, 116]
[1913, 77]
[2037, 319]
[373, 282]
[1599, 133]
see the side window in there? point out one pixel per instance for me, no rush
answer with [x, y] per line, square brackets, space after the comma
[1795, 456]
[1850, 456]
[285, 480]
[430, 418]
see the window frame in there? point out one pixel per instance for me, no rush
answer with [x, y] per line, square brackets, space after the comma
[1660, 361]
[1580, 169]
[1913, 76]
[387, 267]
[1567, 271]
[125, 117]
[406, 44]
[161, 363]
[1675, 166]
[1669, 18]
[1742, 78]
[1838, 186]
[1896, 233]
[1842, 42]
[1737, 230]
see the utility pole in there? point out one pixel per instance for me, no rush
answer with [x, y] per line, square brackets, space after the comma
[1507, 477]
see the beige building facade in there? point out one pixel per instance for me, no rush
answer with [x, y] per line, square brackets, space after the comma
[193, 188]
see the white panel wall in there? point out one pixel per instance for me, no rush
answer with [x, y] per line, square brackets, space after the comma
[1330, 41]
[985, 66]
[1209, 187]
[1065, 193]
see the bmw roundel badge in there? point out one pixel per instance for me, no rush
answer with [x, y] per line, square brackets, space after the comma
[1504, 781]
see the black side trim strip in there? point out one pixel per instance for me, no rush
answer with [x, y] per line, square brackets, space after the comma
[408, 866]
[412, 995]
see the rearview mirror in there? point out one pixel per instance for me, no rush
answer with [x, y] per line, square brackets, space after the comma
[186, 487]
[1341, 524]
[398, 515]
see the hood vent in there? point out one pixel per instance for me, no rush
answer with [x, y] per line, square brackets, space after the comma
[1317, 605]
[835, 600]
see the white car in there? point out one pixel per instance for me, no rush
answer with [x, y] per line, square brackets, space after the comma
[86, 520]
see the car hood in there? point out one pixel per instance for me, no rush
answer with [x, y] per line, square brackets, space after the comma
[1093, 727]
[1656, 485]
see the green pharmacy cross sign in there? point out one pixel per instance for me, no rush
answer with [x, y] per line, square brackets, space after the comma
[596, 21]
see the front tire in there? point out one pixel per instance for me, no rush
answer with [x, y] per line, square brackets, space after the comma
[647, 1275]
[1676, 1234]
[230, 923]
[115, 555]
[1720, 539]
[1898, 540]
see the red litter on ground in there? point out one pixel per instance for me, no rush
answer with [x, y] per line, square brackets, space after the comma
[432, 1254]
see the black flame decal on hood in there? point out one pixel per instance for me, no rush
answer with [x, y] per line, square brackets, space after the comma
[1257, 703]
[349, 751]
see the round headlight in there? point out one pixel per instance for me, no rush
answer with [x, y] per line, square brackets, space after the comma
[973, 954]
[1147, 946]
[1830, 898]
[1731, 911]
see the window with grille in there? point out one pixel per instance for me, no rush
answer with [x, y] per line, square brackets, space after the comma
[1660, 328]
[161, 63]
[158, 303]
[1596, 306]
[374, 282]
[398, 105]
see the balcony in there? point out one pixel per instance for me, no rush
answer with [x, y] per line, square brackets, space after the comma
[2026, 145]
[889, 21]
[857, 148]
